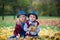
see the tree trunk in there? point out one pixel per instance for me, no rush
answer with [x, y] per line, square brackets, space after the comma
[3, 12]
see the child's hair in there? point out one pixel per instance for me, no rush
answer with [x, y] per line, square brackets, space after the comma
[18, 16]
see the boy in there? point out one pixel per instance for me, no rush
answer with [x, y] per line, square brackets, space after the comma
[20, 22]
[32, 26]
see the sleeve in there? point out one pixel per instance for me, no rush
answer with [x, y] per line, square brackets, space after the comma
[16, 30]
[38, 29]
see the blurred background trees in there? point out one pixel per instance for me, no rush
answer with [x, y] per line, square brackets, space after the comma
[43, 7]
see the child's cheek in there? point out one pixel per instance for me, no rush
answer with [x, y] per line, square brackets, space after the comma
[23, 18]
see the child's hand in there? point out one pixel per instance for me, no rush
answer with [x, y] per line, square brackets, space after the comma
[18, 21]
[27, 32]
[35, 24]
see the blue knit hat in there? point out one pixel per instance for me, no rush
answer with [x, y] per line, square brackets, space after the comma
[21, 13]
[33, 13]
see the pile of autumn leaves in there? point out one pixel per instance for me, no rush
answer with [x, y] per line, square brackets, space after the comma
[47, 33]
[5, 32]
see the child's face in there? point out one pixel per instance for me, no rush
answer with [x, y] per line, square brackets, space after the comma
[22, 18]
[32, 17]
